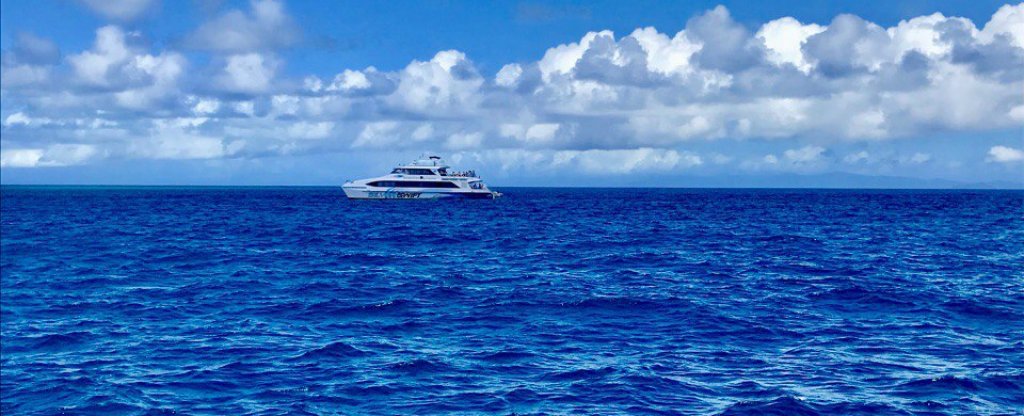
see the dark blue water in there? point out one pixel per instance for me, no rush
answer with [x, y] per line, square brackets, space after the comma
[295, 300]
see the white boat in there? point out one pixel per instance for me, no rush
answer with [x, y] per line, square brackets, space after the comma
[425, 178]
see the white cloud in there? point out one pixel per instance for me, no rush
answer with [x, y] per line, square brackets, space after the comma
[459, 141]
[16, 119]
[562, 59]
[285, 105]
[20, 158]
[245, 107]
[19, 75]
[28, 62]
[185, 146]
[249, 73]
[266, 26]
[423, 132]
[53, 155]
[869, 123]
[119, 9]
[919, 158]
[349, 80]
[1009, 21]
[22, 119]
[631, 101]
[632, 160]
[1005, 154]
[206, 106]
[720, 159]
[69, 154]
[540, 133]
[804, 155]
[1017, 113]
[666, 55]
[135, 79]
[378, 135]
[509, 75]
[177, 139]
[312, 83]
[109, 50]
[769, 162]
[920, 34]
[784, 39]
[858, 157]
[161, 74]
[445, 83]
[591, 162]
[307, 130]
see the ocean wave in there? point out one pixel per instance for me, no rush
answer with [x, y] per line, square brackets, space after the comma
[598, 301]
[56, 342]
[333, 350]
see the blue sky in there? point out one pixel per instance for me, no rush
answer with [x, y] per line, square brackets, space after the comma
[538, 93]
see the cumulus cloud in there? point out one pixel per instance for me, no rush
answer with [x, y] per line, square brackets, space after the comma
[179, 139]
[629, 160]
[1005, 154]
[96, 67]
[531, 134]
[459, 141]
[784, 39]
[725, 44]
[29, 61]
[307, 130]
[447, 83]
[250, 73]
[1007, 21]
[594, 161]
[561, 59]
[20, 158]
[804, 155]
[350, 81]
[55, 155]
[135, 78]
[378, 134]
[509, 75]
[266, 26]
[205, 106]
[23, 119]
[627, 102]
[365, 82]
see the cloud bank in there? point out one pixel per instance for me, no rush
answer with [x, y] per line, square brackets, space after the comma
[607, 103]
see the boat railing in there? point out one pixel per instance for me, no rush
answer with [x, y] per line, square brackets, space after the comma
[466, 174]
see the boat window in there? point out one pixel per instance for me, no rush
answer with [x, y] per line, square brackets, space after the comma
[442, 172]
[405, 171]
[412, 184]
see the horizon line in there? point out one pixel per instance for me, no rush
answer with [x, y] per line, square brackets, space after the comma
[810, 188]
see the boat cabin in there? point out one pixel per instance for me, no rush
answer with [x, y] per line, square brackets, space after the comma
[431, 166]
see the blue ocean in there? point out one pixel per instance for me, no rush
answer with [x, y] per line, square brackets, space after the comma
[167, 300]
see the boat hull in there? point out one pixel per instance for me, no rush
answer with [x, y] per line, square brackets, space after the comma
[362, 192]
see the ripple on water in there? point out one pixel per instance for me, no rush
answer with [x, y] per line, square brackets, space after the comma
[548, 301]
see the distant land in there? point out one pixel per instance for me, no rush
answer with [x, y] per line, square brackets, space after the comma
[834, 180]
